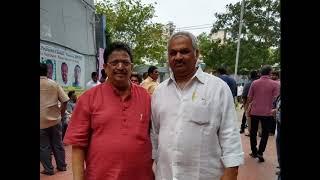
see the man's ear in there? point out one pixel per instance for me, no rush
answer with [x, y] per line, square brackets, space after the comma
[197, 53]
[105, 67]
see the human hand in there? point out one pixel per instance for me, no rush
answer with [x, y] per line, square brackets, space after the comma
[154, 166]
[273, 111]
[230, 173]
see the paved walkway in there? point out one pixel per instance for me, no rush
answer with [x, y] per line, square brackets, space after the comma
[251, 170]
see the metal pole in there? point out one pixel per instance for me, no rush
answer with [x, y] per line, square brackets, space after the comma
[239, 36]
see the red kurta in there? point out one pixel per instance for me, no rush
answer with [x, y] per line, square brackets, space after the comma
[115, 133]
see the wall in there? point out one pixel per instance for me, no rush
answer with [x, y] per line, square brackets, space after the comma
[70, 24]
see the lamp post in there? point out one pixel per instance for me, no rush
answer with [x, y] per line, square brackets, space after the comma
[239, 37]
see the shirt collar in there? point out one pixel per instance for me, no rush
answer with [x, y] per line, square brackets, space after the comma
[92, 82]
[265, 77]
[150, 79]
[43, 77]
[116, 91]
[199, 75]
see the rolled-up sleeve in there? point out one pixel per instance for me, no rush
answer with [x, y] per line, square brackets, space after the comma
[229, 137]
[63, 97]
[154, 133]
[77, 133]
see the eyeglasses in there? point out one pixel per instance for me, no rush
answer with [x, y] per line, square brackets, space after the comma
[116, 62]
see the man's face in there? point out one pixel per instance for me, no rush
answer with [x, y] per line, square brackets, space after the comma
[50, 70]
[155, 74]
[77, 72]
[74, 98]
[182, 57]
[64, 73]
[118, 68]
[134, 80]
[274, 77]
[95, 78]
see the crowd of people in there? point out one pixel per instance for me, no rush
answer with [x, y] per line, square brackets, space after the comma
[125, 126]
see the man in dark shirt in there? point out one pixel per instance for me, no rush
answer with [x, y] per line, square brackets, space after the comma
[222, 73]
[253, 76]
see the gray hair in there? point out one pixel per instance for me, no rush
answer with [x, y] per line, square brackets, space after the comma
[266, 70]
[187, 34]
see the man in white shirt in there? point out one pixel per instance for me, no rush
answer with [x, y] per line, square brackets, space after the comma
[239, 93]
[194, 133]
[94, 80]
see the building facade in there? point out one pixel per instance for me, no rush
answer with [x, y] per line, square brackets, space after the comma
[67, 40]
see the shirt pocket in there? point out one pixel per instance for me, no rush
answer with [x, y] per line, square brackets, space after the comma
[142, 127]
[200, 113]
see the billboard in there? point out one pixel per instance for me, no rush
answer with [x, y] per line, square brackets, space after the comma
[66, 67]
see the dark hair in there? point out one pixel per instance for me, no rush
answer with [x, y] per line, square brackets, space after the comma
[93, 74]
[117, 46]
[275, 73]
[103, 73]
[145, 75]
[70, 93]
[78, 67]
[43, 69]
[265, 70]
[137, 75]
[48, 61]
[151, 69]
[254, 75]
[222, 70]
[64, 64]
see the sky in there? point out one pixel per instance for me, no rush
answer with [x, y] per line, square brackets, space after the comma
[199, 14]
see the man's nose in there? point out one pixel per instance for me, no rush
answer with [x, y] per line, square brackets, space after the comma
[120, 65]
[178, 56]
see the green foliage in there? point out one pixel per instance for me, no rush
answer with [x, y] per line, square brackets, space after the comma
[260, 39]
[130, 21]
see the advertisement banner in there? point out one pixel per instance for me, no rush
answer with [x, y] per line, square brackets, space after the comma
[66, 67]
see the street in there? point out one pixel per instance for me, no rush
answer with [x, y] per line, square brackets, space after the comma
[250, 170]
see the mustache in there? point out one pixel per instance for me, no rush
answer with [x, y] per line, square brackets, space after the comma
[179, 63]
[120, 72]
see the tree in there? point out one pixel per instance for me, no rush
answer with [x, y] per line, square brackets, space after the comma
[260, 39]
[130, 21]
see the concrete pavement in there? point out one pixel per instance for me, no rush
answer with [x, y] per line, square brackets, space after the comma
[250, 170]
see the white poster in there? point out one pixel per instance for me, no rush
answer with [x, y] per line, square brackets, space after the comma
[101, 61]
[64, 66]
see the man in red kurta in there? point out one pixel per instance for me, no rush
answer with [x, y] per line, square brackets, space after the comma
[109, 128]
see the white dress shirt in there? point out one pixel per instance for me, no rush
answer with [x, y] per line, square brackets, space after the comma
[194, 132]
[240, 90]
[91, 84]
